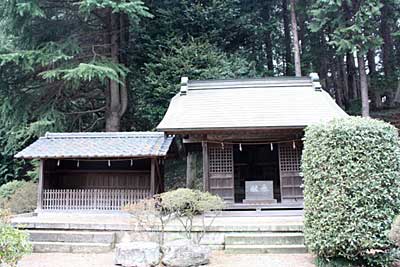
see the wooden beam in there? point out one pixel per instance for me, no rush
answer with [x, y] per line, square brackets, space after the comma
[39, 204]
[153, 177]
[205, 166]
[190, 170]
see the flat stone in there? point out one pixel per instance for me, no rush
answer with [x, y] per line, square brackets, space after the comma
[137, 254]
[259, 190]
[184, 253]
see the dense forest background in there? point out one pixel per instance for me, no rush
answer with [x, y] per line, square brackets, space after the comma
[113, 65]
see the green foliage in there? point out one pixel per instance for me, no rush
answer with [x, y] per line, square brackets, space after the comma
[175, 172]
[101, 71]
[184, 204]
[188, 202]
[8, 189]
[354, 24]
[196, 59]
[395, 231]
[335, 262]
[351, 171]
[14, 245]
[48, 53]
[134, 8]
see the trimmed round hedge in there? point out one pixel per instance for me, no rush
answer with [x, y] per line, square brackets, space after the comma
[351, 170]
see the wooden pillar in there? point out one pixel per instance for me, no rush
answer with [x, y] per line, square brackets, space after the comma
[190, 169]
[205, 166]
[153, 177]
[40, 186]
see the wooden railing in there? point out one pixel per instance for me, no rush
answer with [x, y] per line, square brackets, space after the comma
[91, 199]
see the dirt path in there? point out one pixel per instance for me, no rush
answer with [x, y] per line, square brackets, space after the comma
[219, 259]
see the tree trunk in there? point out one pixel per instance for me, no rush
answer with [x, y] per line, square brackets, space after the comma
[376, 100]
[352, 79]
[286, 31]
[338, 90]
[268, 43]
[343, 78]
[371, 62]
[296, 46]
[387, 46]
[363, 86]
[118, 93]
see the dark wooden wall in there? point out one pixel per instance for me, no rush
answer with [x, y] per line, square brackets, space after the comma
[68, 174]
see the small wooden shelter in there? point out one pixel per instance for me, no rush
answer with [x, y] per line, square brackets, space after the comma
[249, 132]
[98, 171]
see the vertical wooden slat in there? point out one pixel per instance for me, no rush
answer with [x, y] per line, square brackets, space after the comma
[289, 172]
[152, 176]
[92, 199]
[205, 166]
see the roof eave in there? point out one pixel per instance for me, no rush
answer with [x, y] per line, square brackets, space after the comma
[91, 157]
[216, 129]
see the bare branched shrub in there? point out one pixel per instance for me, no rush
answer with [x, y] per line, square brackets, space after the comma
[149, 218]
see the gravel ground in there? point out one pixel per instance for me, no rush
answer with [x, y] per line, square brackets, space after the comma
[219, 259]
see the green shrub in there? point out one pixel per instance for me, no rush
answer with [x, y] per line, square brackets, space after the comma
[13, 245]
[24, 199]
[8, 189]
[334, 262]
[186, 203]
[189, 202]
[351, 171]
[395, 231]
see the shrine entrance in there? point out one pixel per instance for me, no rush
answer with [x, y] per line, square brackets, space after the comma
[256, 172]
[250, 175]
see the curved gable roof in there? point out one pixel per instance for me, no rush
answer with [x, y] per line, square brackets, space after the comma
[249, 103]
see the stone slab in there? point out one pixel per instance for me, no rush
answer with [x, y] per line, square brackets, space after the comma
[259, 190]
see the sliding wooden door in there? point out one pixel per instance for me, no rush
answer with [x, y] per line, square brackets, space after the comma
[289, 169]
[220, 171]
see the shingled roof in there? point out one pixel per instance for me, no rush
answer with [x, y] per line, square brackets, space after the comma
[276, 102]
[98, 145]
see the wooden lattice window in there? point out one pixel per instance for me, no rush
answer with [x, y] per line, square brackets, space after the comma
[289, 158]
[220, 159]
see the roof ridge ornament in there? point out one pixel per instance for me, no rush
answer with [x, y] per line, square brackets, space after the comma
[184, 85]
[315, 81]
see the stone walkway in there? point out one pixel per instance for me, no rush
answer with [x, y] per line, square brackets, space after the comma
[219, 259]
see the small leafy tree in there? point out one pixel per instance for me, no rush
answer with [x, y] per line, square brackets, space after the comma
[185, 204]
[14, 243]
[351, 171]
[153, 215]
